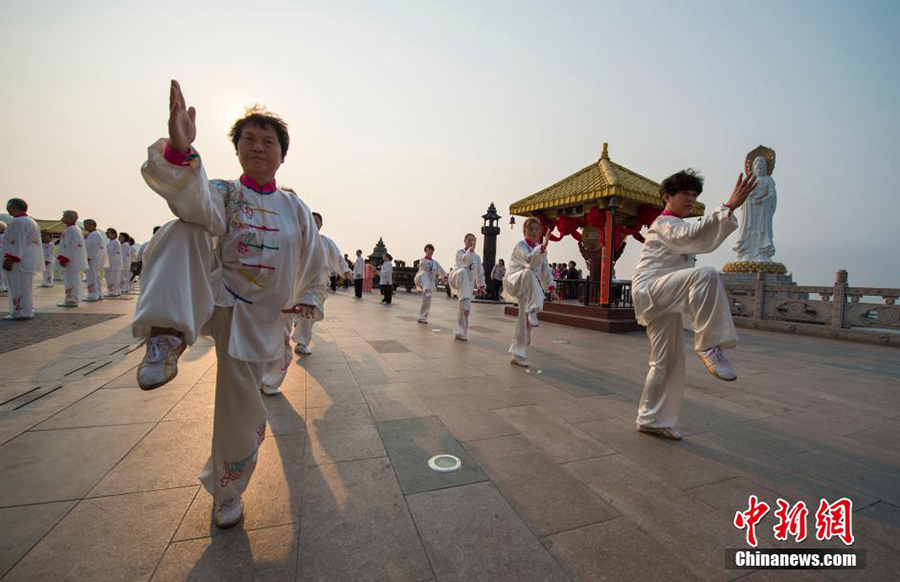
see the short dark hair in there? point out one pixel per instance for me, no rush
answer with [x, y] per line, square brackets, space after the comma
[687, 179]
[126, 235]
[388, 256]
[358, 252]
[468, 234]
[112, 230]
[429, 246]
[261, 117]
[315, 214]
[155, 228]
[19, 204]
[90, 221]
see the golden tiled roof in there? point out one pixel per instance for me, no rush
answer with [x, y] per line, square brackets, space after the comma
[602, 179]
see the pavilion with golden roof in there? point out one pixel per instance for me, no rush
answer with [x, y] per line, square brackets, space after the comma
[600, 205]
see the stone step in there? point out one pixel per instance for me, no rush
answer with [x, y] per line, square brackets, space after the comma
[596, 320]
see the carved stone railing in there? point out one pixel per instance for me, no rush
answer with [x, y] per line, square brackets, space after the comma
[837, 313]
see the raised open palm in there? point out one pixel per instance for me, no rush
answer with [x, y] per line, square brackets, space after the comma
[182, 126]
[742, 189]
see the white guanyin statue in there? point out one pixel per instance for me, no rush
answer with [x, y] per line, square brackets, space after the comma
[756, 242]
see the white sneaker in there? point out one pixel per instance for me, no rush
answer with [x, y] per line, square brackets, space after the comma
[422, 320]
[66, 304]
[302, 350]
[160, 363]
[519, 361]
[111, 295]
[666, 433]
[533, 319]
[91, 299]
[228, 515]
[462, 338]
[717, 364]
[269, 390]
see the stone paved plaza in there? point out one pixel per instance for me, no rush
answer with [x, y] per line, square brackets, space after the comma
[98, 479]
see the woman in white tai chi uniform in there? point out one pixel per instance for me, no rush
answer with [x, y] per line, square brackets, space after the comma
[48, 261]
[466, 277]
[526, 281]
[114, 258]
[387, 279]
[127, 256]
[72, 258]
[267, 262]
[3, 285]
[667, 287]
[96, 255]
[22, 258]
[426, 279]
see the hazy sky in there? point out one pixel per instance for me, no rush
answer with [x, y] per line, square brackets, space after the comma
[408, 118]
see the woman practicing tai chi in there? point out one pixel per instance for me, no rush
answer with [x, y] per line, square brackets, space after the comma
[666, 285]
[426, 280]
[466, 277]
[526, 281]
[268, 262]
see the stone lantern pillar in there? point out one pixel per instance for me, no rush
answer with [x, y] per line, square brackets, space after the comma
[489, 231]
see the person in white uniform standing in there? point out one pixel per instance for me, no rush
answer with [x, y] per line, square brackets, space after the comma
[114, 258]
[125, 273]
[265, 263]
[96, 255]
[48, 261]
[426, 279]
[667, 287]
[526, 282]
[359, 273]
[22, 258]
[387, 279]
[466, 277]
[4, 287]
[72, 258]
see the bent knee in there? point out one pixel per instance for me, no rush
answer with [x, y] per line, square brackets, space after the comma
[707, 274]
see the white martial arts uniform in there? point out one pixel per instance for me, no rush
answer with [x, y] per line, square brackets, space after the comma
[96, 255]
[466, 275]
[4, 287]
[114, 272]
[71, 247]
[667, 289]
[267, 257]
[426, 280]
[302, 328]
[22, 244]
[526, 281]
[48, 265]
[125, 274]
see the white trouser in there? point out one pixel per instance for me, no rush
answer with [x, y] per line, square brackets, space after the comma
[302, 335]
[72, 278]
[48, 276]
[94, 288]
[176, 288]
[522, 338]
[274, 372]
[698, 292]
[20, 299]
[124, 274]
[462, 317]
[532, 298]
[112, 281]
[3, 280]
[239, 424]
[426, 305]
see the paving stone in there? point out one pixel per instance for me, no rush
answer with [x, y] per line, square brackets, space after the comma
[342, 433]
[62, 465]
[577, 382]
[695, 532]
[24, 526]
[615, 550]
[272, 498]
[388, 347]
[471, 533]
[263, 554]
[395, 401]
[560, 440]
[171, 455]
[286, 412]
[546, 496]
[330, 391]
[878, 484]
[411, 442]
[356, 526]
[110, 538]
[679, 466]
[467, 426]
[879, 521]
[122, 406]
[198, 404]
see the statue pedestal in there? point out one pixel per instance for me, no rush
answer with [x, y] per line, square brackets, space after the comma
[744, 273]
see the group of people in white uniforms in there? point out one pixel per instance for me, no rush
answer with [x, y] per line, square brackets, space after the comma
[244, 258]
[22, 258]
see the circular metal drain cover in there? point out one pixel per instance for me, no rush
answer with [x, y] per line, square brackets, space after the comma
[444, 463]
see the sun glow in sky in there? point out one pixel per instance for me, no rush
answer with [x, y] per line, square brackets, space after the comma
[408, 118]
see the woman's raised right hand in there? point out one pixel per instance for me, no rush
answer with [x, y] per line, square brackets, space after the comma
[182, 126]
